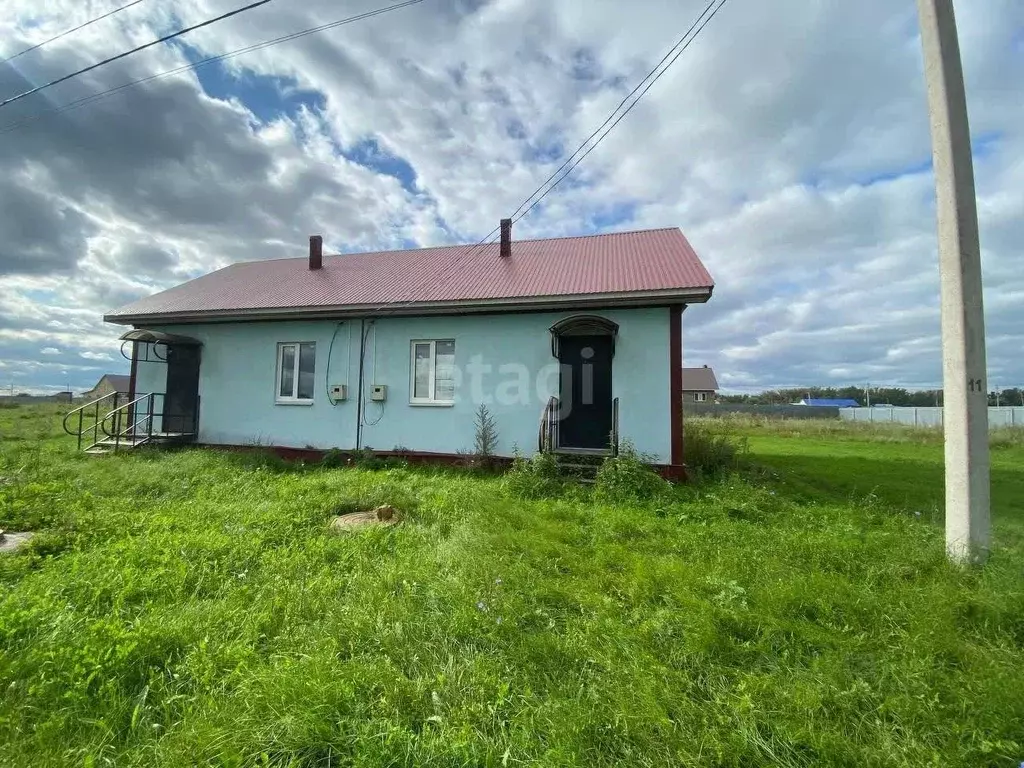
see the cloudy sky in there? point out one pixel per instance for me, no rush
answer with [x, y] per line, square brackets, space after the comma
[790, 143]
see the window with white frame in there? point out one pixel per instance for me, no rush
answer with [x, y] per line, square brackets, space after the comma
[296, 364]
[432, 372]
[700, 397]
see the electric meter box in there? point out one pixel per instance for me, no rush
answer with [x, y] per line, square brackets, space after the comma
[379, 393]
[339, 392]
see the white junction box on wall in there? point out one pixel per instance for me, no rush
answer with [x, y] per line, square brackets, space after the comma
[339, 392]
[379, 393]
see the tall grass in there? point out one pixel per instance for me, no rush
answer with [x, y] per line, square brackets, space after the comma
[710, 449]
[192, 608]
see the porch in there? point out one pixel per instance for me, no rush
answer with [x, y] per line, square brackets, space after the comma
[122, 421]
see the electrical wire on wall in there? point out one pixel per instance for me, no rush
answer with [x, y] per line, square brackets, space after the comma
[330, 353]
[382, 403]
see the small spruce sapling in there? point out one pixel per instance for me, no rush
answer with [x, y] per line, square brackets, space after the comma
[486, 439]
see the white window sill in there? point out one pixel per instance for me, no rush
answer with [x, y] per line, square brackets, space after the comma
[426, 404]
[293, 402]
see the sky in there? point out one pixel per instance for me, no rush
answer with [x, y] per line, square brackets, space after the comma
[790, 143]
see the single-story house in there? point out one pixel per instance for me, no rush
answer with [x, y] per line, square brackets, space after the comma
[571, 343]
[699, 385]
[108, 384]
[825, 402]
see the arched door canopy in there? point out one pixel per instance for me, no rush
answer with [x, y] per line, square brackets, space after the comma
[583, 325]
[154, 341]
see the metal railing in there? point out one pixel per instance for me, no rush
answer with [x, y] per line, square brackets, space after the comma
[134, 433]
[547, 434]
[131, 423]
[83, 411]
[614, 439]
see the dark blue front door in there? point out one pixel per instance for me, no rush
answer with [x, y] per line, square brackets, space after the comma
[182, 396]
[585, 411]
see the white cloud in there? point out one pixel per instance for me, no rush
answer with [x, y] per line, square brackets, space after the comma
[49, 351]
[790, 143]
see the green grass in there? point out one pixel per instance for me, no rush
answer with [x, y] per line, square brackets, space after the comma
[902, 466]
[190, 607]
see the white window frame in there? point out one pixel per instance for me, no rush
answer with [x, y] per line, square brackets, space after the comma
[431, 399]
[700, 397]
[294, 399]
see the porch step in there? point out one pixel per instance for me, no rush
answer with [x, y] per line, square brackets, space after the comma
[124, 442]
[580, 465]
[111, 445]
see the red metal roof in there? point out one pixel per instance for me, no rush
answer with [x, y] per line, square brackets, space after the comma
[655, 264]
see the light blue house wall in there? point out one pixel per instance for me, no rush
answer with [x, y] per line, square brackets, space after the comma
[502, 360]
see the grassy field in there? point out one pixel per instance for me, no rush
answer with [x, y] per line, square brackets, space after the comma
[191, 607]
[899, 465]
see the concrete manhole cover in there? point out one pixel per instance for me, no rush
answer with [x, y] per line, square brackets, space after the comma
[383, 515]
[12, 542]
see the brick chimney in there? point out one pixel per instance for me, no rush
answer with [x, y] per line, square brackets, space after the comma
[506, 238]
[316, 252]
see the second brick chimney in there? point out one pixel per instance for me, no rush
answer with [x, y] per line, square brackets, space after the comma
[316, 252]
[506, 238]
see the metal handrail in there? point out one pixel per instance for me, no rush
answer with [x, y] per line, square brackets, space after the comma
[116, 412]
[80, 410]
[150, 413]
[131, 430]
[112, 423]
[615, 427]
[548, 424]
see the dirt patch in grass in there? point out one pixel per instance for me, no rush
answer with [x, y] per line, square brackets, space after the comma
[381, 516]
[12, 542]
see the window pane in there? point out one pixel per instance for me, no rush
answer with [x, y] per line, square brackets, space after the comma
[421, 379]
[444, 371]
[287, 388]
[307, 360]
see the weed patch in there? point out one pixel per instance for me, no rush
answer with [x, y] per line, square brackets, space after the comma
[627, 478]
[711, 452]
[534, 478]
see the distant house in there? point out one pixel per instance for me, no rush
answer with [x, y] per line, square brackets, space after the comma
[699, 385]
[825, 402]
[108, 383]
[571, 343]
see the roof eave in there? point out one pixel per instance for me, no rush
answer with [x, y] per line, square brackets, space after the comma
[532, 303]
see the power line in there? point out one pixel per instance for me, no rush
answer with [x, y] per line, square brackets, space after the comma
[628, 109]
[150, 44]
[673, 54]
[614, 111]
[85, 100]
[69, 31]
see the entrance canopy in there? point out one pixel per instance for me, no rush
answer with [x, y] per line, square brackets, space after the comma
[155, 341]
[583, 325]
[159, 337]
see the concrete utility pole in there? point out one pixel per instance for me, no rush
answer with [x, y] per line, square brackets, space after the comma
[965, 407]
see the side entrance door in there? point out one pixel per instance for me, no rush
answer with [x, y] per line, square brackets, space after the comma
[182, 398]
[585, 411]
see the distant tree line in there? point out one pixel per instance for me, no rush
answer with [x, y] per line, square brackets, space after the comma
[899, 396]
